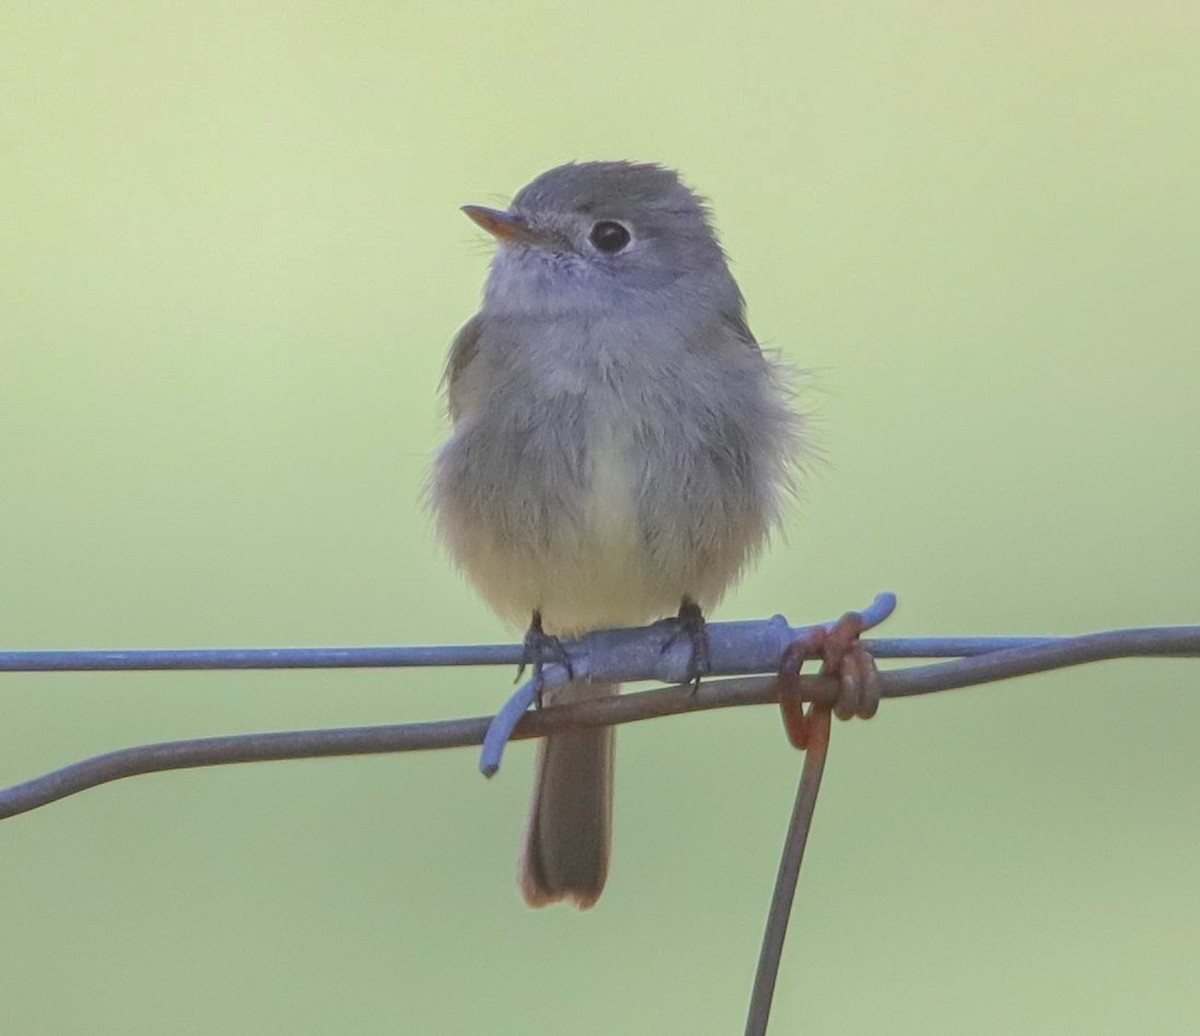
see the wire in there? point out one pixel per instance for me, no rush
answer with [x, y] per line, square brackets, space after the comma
[1043, 654]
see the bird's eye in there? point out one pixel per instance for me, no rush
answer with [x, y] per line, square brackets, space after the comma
[609, 236]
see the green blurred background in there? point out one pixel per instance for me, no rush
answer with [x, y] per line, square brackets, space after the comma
[231, 263]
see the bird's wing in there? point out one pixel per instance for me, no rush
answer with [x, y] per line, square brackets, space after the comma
[462, 352]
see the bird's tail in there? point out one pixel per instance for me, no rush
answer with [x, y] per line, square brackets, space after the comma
[569, 834]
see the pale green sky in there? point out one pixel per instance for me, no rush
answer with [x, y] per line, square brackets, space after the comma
[232, 260]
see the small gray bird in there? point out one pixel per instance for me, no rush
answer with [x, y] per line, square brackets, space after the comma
[621, 448]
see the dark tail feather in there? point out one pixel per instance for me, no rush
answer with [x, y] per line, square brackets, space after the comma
[568, 838]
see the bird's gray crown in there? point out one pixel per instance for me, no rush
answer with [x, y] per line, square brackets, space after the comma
[612, 189]
[663, 256]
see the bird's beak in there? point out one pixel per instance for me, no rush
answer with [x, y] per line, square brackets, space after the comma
[505, 227]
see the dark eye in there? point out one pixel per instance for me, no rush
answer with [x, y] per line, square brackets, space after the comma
[609, 236]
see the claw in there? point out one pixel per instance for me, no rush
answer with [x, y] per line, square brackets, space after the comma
[690, 623]
[541, 648]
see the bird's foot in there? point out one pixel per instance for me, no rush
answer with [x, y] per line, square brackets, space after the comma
[541, 649]
[690, 623]
[842, 657]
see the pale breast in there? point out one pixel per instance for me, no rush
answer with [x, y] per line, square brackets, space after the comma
[598, 483]
[597, 573]
[587, 565]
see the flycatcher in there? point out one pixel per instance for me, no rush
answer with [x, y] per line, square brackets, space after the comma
[621, 448]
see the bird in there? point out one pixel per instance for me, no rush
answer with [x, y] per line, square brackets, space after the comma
[621, 447]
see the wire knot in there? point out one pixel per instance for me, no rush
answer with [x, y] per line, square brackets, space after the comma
[844, 659]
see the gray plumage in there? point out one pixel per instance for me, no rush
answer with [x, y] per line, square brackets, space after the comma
[620, 443]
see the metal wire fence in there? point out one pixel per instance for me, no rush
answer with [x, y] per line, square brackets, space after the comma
[744, 670]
